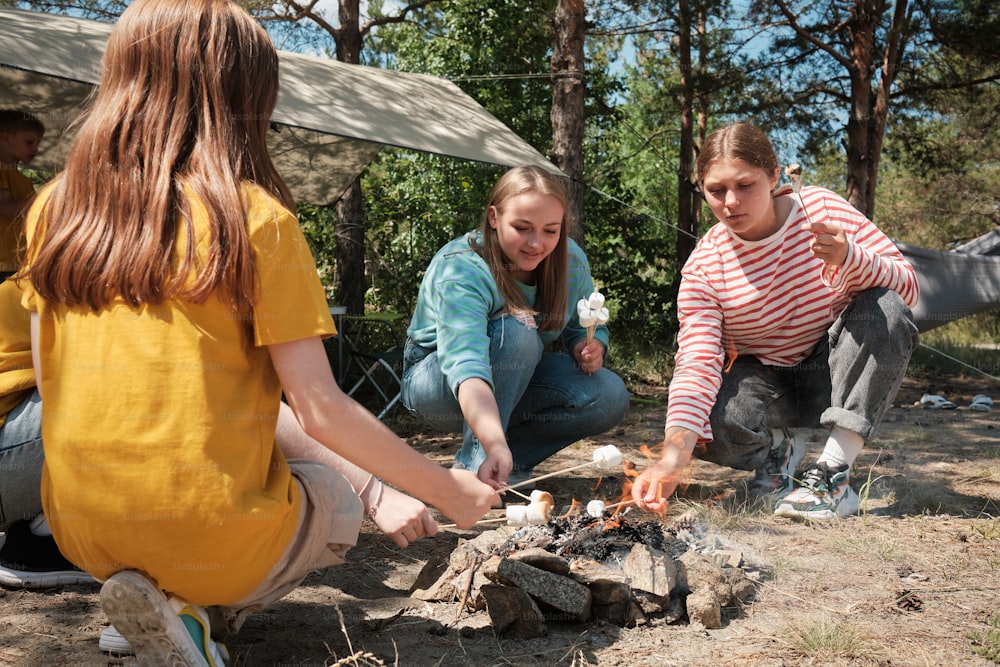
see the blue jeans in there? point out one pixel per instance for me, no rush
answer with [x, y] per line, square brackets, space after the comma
[545, 401]
[21, 459]
[849, 380]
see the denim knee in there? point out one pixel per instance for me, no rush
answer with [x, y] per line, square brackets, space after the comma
[887, 308]
[512, 337]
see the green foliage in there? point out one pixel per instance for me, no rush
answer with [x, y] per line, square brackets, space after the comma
[416, 203]
[318, 225]
[987, 644]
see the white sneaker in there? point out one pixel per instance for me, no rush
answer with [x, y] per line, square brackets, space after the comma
[112, 641]
[825, 494]
[775, 477]
[159, 629]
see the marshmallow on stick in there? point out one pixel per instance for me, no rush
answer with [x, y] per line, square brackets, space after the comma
[794, 173]
[592, 313]
[536, 513]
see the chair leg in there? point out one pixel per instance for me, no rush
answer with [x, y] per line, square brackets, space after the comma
[367, 375]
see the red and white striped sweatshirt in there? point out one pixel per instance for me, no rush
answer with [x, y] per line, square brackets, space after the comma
[771, 298]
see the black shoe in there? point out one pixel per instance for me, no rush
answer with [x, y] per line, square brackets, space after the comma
[33, 561]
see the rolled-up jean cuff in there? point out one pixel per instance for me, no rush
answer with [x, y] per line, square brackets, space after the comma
[329, 524]
[847, 420]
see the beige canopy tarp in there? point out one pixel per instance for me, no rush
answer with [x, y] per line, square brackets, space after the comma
[331, 117]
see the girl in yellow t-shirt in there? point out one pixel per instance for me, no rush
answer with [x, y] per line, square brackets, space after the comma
[174, 299]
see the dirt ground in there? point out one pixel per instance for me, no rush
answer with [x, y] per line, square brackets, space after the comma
[907, 582]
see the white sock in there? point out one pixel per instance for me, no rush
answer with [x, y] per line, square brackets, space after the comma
[842, 447]
[40, 526]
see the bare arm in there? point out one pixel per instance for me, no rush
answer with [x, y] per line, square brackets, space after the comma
[479, 408]
[347, 428]
[403, 518]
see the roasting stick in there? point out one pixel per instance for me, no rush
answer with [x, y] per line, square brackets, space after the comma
[596, 508]
[605, 458]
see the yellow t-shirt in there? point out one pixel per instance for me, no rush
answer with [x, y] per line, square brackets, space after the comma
[20, 187]
[159, 424]
[17, 377]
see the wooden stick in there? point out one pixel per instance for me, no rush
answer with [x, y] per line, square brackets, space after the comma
[546, 476]
[618, 504]
[516, 493]
[455, 525]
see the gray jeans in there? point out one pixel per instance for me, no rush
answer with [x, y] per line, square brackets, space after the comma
[849, 380]
[21, 459]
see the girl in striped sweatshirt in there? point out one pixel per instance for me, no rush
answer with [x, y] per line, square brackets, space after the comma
[794, 311]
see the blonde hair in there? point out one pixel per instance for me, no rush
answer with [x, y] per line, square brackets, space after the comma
[551, 274]
[738, 141]
[183, 109]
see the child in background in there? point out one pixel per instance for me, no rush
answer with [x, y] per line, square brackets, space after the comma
[174, 299]
[20, 134]
[478, 357]
[794, 312]
[29, 557]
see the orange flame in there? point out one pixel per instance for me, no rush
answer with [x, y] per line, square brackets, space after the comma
[574, 507]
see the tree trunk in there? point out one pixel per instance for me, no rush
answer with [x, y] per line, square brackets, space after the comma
[350, 228]
[568, 91]
[869, 108]
[350, 284]
[687, 229]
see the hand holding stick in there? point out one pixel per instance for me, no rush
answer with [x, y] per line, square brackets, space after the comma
[537, 512]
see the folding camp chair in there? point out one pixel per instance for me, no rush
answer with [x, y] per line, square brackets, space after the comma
[375, 355]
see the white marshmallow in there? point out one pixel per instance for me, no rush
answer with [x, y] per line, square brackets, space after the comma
[539, 496]
[587, 320]
[601, 316]
[538, 513]
[582, 307]
[596, 301]
[534, 514]
[607, 457]
[517, 515]
[595, 508]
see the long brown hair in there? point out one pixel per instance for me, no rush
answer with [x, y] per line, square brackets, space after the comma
[551, 273]
[739, 141]
[183, 108]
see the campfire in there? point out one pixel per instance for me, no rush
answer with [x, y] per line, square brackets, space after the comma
[608, 562]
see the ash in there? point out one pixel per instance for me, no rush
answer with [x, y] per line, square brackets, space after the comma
[609, 541]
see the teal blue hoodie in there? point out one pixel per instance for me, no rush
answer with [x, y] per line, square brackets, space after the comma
[457, 298]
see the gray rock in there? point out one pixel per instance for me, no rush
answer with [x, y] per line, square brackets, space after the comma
[571, 600]
[513, 612]
[697, 572]
[608, 585]
[542, 559]
[727, 558]
[647, 569]
[703, 607]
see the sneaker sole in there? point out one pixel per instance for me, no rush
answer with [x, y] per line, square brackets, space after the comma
[20, 579]
[142, 615]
